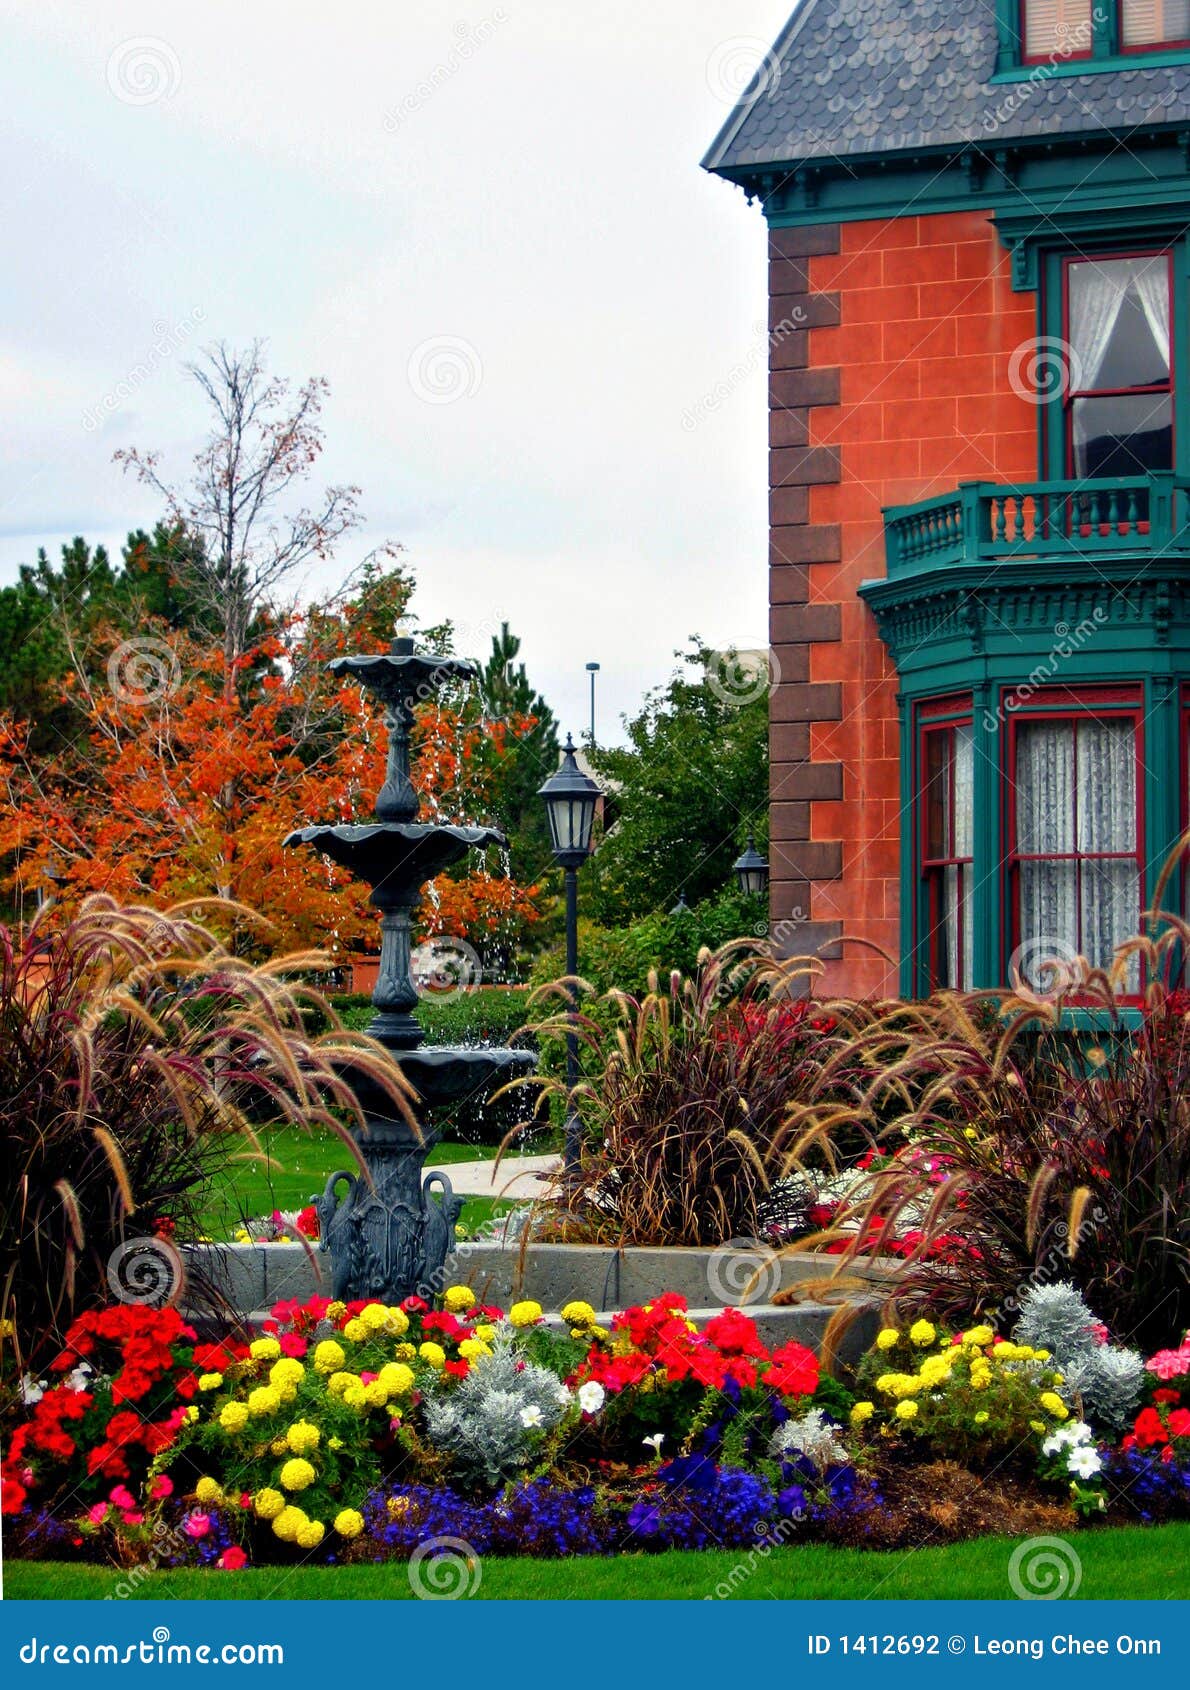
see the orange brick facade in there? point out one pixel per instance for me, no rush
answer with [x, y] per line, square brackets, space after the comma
[891, 381]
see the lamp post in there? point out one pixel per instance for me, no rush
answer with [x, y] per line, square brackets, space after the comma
[751, 869]
[570, 797]
[592, 670]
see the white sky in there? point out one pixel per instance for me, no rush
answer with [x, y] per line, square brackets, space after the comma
[353, 181]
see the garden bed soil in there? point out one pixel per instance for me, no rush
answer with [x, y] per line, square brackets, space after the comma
[941, 1502]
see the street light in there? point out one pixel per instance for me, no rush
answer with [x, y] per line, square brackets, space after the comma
[570, 798]
[592, 670]
[752, 871]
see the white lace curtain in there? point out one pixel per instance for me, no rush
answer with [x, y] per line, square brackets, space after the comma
[960, 905]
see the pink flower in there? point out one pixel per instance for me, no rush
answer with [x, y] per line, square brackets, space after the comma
[292, 1345]
[1170, 1364]
[367, 1378]
[123, 1497]
[162, 1486]
[98, 1514]
[196, 1525]
[133, 1517]
[232, 1559]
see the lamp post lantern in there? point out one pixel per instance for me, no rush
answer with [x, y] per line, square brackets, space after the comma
[570, 797]
[752, 871]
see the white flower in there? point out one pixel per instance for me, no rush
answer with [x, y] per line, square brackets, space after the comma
[79, 1377]
[562, 1397]
[1083, 1462]
[1079, 1432]
[655, 1442]
[32, 1390]
[590, 1397]
[531, 1415]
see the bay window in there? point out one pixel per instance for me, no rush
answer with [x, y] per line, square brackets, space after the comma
[1075, 863]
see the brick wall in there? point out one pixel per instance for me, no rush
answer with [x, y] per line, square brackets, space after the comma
[891, 350]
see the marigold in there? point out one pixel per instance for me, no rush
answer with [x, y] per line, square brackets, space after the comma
[862, 1411]
[288, 1522]
[297, 1474]
[472, 1348]
[233, 1417]
[356, 1331]
[311, 1534]
[264, 1349]
[209, 1381]
[340, 1382]
[302, 1437]
[980, 1336]
[459, 1298]
[527, 1313]
[433, 1353]
[905, 1410]
[349, 1522]
[1053, 1404]
[329, 1356]
[398, 1321]
[396, 1378]
[982, 1417]
[265, 1399]
[922, 1333]
[208, 1489]
[887, 1337]
[578, 1314]
[268, 1503]
[486, 1332]
[375, 1393]
[286, 1374]
[374, 1317]
[355, 1397]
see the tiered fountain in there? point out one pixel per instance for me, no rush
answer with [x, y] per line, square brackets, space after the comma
[390, 1236]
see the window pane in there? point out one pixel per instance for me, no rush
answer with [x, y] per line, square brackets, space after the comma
[1119, 321]
[1128, 434]
[1057, 26]
[963, 752]
[958, 917]
[1049, 919]
[1045, 787]
[1147, 21]
[1110, 911]
[937, 751]
[1106, 759]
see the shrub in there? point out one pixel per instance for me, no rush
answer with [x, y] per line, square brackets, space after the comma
[135, 1053]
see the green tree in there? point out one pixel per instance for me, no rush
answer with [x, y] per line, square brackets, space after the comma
[684, 794]
[509, 698]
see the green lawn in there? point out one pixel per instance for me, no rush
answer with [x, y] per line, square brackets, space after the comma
[296, 1170]
[1134, 1562]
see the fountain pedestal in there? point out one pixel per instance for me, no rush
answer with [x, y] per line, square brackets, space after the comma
[389, 1234]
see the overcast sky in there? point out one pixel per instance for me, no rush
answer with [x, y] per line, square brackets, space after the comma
[542, 323]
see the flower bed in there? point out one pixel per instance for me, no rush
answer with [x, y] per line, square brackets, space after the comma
[362, 1431]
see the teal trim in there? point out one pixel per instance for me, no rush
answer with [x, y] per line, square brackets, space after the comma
[987, 864]
[1094, 66]
[1106, 50]
[911, 926]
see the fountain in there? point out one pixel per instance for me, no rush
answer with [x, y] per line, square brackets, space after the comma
[389, 1236]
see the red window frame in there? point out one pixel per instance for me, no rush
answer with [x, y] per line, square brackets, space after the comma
[1045, 58]
[1070, 393]
[1071, 705]
[940, 717]
[1145, 46]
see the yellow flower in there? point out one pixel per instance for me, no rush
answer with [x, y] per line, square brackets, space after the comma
[233, 1417]
[887, 1383]
[263, 1400]
[396, 1378]
[1053, 1404]
[459, 1298]
[486, 1332]
[340, 1382]
[311, 1534]
[398, 1320]
[356, 1331]
[862, 1411]
[433, 1353]
[286, 1374]
[374, 1317]
[1003, 1350]
[355, 1397]
[905, 1410]
[935, 1370]
[376, 1393]
[264, 1349]
[297, 1474]
[349, 1522]
[208, 1490]
[336, 1310]
[404, 1352]
[979, 1336]
[982, 1417]
[279, 1446]
[192, 1412]
[887, 1337]
[328, 1356]
[578, 1314]
[1038, 1426]
[268, 1503]
[334, 1443]
[472, 1348]
[288, 1523]
[209, 1381]
[397, 1505]
[302, 1437]
[527, 1313]
[922, 1333]
[7, 1329]
[980, 1378]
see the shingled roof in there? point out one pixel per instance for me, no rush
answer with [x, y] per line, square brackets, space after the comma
[866, 77]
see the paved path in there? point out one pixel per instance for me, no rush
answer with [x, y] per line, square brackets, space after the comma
[516, 1177]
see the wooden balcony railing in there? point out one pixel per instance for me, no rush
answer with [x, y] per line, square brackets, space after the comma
[986, 522]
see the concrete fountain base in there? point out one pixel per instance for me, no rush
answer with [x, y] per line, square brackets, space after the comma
[252, 1277]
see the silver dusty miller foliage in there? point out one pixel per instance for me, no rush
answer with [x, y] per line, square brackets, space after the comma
[1106, 1378]
[492, 1422]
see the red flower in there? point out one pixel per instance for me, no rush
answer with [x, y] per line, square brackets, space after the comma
[794, 1371]
[732, 1333]
[1149, 1428]
[232, 1559]
[1179, 1423]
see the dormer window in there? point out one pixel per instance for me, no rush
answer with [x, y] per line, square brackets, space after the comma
[1059, 29]
[1154, 23]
